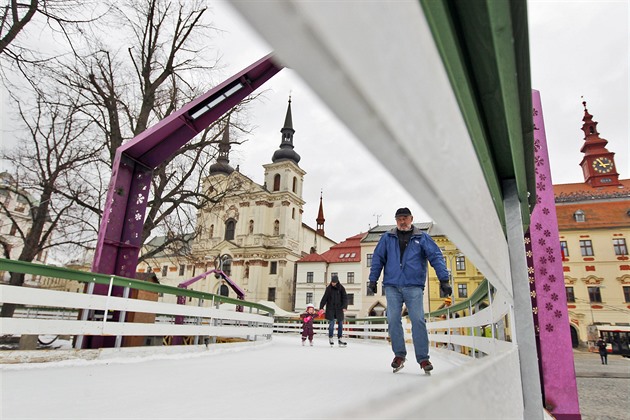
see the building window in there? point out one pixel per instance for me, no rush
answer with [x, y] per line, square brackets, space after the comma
[293, 213]
[164, 270]
[460, 263]
[620, 246]
[271, 294]
[626, 293]
[251, 226]
[273, 267]
[564, 248]
[368, 260]
[211, 233]
[294, 184]
[594, 295]
[276, 228]
[350, 299]
[369, 292]
[570, 294]
[182, 269]
[276, 182]
[230, 228]
[223, 290]
[226, 266]
[350, 278]
[309, 297]
[462, 290]
[309, 277]
[586, 246]
[579, 216]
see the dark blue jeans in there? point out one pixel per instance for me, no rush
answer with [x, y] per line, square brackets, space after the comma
[412, 298]
[331, 328]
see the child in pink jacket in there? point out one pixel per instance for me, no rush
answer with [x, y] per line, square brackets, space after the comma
[307, 323]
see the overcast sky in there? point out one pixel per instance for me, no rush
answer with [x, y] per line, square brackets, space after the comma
[577, 48]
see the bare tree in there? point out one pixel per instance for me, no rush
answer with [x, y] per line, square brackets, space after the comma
[49, 160]
[124, 91]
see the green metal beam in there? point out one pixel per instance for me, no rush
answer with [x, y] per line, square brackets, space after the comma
[484, 47]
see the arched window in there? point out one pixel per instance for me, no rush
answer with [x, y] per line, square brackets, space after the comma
[230, 228]
[251, 226]
[211, 232]
[224, 290]
[294, 184]
[276, 228]
[276, 182]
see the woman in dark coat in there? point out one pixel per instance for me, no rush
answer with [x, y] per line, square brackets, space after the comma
[335, 300]
[603, 352]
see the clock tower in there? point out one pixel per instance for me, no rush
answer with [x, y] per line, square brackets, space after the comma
[598, 164]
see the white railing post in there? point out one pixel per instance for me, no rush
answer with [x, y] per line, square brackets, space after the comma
[121, 318]
[84, 315]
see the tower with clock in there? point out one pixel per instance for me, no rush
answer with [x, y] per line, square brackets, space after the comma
[598, 164]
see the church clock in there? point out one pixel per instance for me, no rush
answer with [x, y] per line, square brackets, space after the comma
[603, 165]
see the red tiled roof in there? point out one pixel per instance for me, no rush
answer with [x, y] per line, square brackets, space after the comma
[346, 251]
[582, 191]
[603, 207]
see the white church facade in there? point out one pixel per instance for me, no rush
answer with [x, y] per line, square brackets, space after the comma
[255, 233]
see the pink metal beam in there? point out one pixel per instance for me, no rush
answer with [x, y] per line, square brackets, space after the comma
[120, 233]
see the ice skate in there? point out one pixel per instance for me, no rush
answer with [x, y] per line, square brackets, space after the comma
[426, 366]
[341, 342]
[331, 341]
[398, 363]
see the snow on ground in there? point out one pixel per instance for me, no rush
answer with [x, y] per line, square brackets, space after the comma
[263, 380]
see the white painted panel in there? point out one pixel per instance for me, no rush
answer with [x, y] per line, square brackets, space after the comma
[55, 298]
[376, 66]
[20, 326]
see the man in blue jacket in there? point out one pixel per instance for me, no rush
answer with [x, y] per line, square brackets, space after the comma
[402, 255]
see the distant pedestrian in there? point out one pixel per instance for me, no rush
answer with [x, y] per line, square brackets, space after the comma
[402, 254]
[307, 323]
[603, 351]
[335, 300]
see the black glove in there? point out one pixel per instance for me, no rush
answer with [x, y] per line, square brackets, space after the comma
[372, 287]
[446, 288]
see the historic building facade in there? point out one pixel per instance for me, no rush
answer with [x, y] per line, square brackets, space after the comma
[255, 233]
[594, 226]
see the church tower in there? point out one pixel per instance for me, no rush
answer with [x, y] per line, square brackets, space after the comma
[284, 179]
[598, 164]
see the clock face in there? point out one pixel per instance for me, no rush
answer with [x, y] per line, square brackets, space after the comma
[603, 165]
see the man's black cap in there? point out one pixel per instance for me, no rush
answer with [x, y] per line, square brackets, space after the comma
[404, 211]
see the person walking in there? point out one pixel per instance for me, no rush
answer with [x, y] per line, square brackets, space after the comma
[307, 323]
[402, 254]
[335, 300]
[603, 351]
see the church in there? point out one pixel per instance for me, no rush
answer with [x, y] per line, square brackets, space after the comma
[254, 233]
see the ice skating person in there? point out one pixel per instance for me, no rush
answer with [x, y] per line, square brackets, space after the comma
[603, 352]
[307, 323]
[335, 300]
[402, 255]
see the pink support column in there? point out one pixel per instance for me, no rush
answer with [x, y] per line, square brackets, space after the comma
[546, 278]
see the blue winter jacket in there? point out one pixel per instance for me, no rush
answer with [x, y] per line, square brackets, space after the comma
[412, 271]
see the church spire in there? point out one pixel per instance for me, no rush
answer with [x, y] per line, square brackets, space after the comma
[320, 217]
[598, 164]
[286, 152]
[223, 159]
